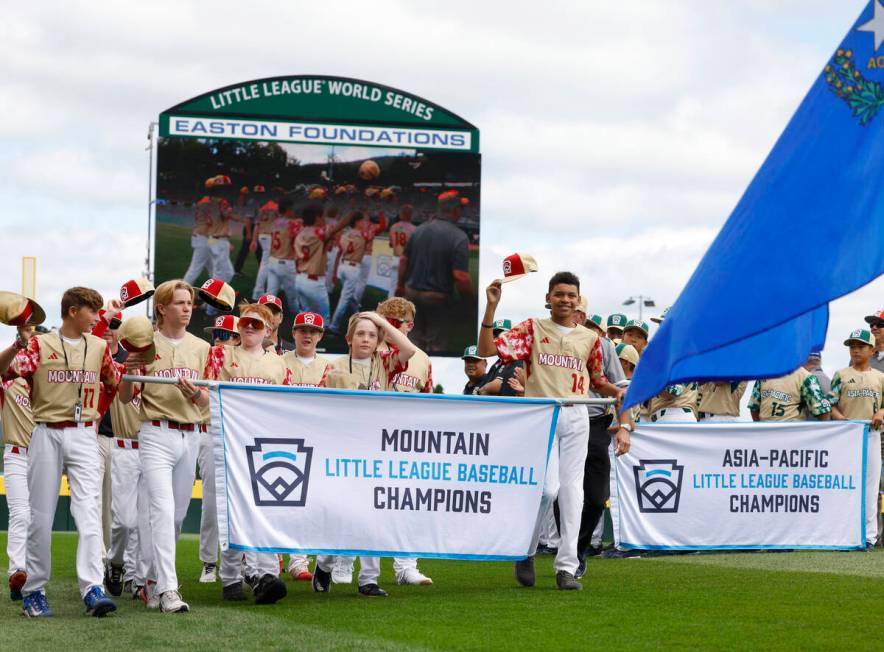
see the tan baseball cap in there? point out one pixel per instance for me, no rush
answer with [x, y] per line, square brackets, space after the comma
[581, 305]
[516, 266]
[218, 294]
[136, 336]
[627, 352]
[18, 310]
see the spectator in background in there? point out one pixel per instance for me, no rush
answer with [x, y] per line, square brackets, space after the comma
[474, 367]
[876, 325]
[814, 360]
[497, 380]
[435, 262]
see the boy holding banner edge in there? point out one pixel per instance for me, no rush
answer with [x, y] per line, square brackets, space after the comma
[857, 393]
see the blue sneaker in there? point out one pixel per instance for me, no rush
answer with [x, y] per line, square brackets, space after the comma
[97, 603]
[35, 606]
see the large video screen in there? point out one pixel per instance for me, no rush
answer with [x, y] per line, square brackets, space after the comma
[217, 214]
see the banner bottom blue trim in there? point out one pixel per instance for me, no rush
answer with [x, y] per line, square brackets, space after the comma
[376, 553]
[638, 546]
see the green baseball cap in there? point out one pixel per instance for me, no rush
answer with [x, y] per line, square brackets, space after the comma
[641, 325]
[617, 320]
[502, 325]
[471, 353]
[598, 320]
[862, 336]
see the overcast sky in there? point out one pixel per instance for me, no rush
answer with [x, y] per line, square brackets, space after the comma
[616, 137]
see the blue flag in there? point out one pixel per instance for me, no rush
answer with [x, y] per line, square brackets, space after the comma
[757, 303]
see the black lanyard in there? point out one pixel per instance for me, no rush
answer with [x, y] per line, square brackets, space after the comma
[370, 370]
[79, 405]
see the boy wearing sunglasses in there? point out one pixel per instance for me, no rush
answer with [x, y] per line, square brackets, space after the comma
[247, 363]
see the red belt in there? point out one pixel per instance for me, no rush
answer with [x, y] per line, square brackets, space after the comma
[61, 425]
[184, 427]
[312, 277]
[15, 450]
[134, 444]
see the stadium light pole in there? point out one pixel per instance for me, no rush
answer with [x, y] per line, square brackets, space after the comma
[642, 301]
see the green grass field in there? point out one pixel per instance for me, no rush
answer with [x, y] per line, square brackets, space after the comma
[173, 257]
[743, 601]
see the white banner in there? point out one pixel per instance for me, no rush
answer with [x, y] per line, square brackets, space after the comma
[356, 473]
[741, 485]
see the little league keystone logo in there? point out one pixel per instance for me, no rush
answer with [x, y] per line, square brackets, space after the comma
[279, 470]
[658, 485]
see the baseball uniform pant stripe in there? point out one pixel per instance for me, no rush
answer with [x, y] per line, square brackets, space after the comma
[168, 461]
[200, 260]
[76, 450]
[564, 479]
[15, 473]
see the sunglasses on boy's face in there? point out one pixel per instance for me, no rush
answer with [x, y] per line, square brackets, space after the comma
[221, 336]
[877, 325]
[251, 322]
[396, 323]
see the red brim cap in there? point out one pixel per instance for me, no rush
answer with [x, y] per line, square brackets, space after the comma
[131, 293]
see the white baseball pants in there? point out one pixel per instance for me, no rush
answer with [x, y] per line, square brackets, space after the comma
[351, 295]
[312, 295]
[564, 479]
[144, 566]
[281, 274]
[717, 418]
[265, 240]
[674, 415]
[221, 268]
[76, 450]
[125, 479]
[200, 260]
[168, 462]
[15, 474]
[369, 567]
[104, 496]
[208, 511]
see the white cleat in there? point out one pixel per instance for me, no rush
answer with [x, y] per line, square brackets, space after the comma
[208, 575]
[171, 603]
[413, 577]
[342, 571]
